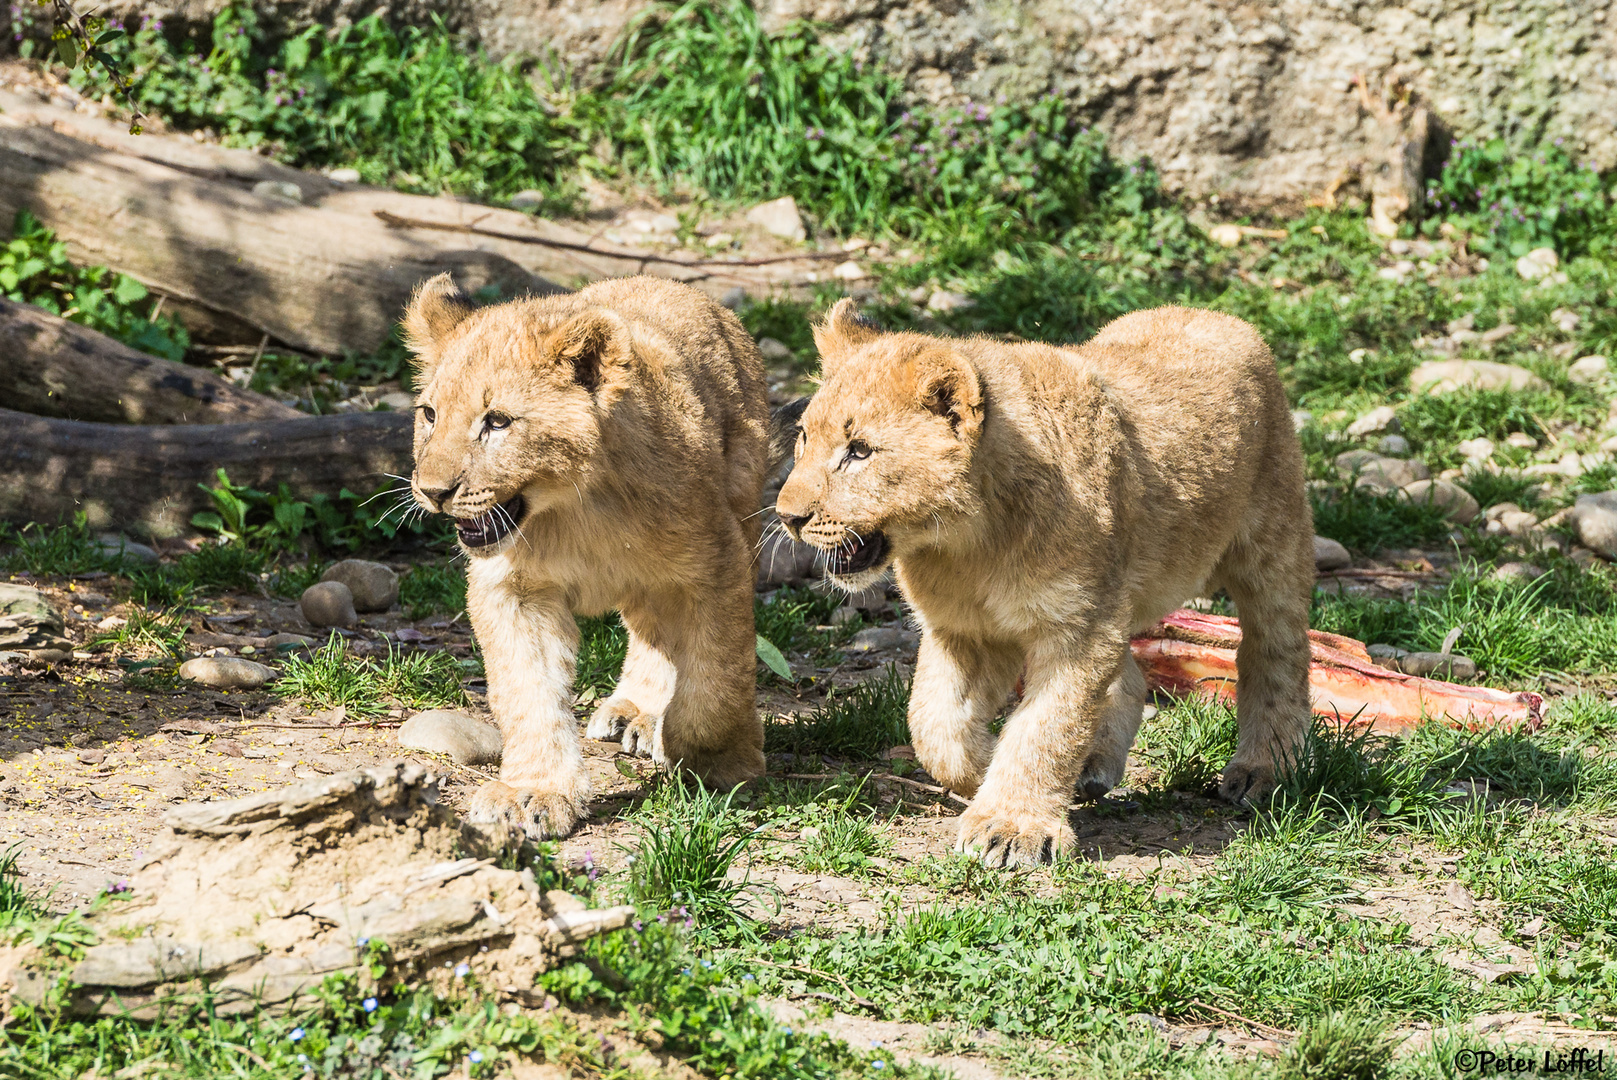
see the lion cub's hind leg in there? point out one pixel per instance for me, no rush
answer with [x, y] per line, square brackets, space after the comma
[1114, 732]
[1271, 588]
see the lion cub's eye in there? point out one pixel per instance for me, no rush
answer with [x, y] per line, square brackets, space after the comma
[496, 421]
[429, 414]
[857, 451]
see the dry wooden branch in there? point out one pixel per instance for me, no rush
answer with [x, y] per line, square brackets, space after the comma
[52, 367]
[146, 478]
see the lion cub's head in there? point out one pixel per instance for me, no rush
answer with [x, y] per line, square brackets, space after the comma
[885, 447]
[507, 420]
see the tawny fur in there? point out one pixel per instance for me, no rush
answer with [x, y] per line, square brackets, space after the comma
[1039, 505]
[635, 429]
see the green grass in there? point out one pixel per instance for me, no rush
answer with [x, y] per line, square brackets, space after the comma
[846, 836]
[1369, 521]
[856, 723]
[1188, 744]
[333, 677]
[690, 840]
[433, 589]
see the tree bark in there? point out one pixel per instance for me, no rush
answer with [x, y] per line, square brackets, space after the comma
[327, 274]
[144, 478]
[52, 367]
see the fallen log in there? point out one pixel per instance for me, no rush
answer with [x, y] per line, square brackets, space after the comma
[144, 477]
[1189, 653]
[327, 272]
[250, 904]
[50, 366]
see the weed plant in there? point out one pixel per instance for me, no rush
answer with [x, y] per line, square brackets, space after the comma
[690, 841]
[856, 723]
[333, 677]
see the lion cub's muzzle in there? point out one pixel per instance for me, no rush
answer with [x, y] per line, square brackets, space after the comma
[493, 524]
[846, 552]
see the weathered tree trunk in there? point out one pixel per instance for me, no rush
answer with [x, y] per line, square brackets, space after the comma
[52, 367]
[144, 478]
[326, 274]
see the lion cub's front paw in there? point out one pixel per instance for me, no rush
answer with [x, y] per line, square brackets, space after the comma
[640, 738]
[1011, 837]
[542, 815]
[609, 721]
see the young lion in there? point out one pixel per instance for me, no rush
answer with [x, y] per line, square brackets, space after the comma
[1040, 505]
[600, 450]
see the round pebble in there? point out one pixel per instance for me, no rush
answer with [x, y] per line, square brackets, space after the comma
[444, 731]
[375, 587]
[328, 603]
[226, 673]
[1439, 665]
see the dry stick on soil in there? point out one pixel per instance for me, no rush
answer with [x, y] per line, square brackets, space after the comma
[931, 788]
[827, 976]
[1261, 1028]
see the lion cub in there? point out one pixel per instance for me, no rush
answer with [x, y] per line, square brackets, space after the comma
[1040, 505]
[603, 450]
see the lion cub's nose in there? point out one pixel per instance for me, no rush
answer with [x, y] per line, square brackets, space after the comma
[440, 497]
[794, 523]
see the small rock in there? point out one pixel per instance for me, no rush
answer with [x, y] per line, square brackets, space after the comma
[1225, 235]
[1449, 666]
[1386, 652]
[874, 638]
[648, 221]
[115, 545]
[1479, 449]
[1538, 263]
[1457, 504]
[226, 673]
[1565, 319]
[943, 300]
[1459, 896]
[328, 603]
[872, 600]
[1593, 519]
[1516, 571]
[275, 642]
[1518, 523]
[1381, 473]
[92, 757]
[810, 832]
[1381, 418]
[1393, 445]
[1587, 369]
[397, 401]
[734, 297]
[1497, 334]
[843, 615]
[719, 240]
[1462, 324]
[782, 560]
[529, 199]
[375, 587]
[1521, 441]
[1330, 555]
[278, 189]
[111, 622]
[343, 176]
[444, 731]
[1301, 418]
[1442, 376]
[773, 350]
[779, 217]
[29, 623]
[849, 271]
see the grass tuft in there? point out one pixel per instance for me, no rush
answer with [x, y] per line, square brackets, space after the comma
[854, 723]
[333, 677]
[1349, 1045]
[690, 840]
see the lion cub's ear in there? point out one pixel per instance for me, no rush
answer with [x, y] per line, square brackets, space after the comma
[843, 331]
[436, 308]
[946, 384]
[595, 345]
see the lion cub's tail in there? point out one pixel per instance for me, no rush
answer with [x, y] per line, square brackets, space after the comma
[783, 426]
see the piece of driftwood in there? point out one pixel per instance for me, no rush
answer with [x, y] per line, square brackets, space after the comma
[325, 273]
[144, 477]
[250, 904]
[52, 367]
[1190, 653]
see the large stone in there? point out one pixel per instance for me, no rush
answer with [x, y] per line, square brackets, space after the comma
[1442, 376]
[29, 622]
[374, 587]
[1380, 473]
[1393, 446]
[444, 731]
[1587, 369]
[779, 217]
[226, 673]
[1457, 504]
[1381, 418]
[119, 546]
[1594, 521]
[1330, 555]
[328, 603]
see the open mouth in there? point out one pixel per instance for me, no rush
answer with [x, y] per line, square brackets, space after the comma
[856, 556]
[491, 526]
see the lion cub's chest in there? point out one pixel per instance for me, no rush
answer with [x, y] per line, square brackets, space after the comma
[984, 600]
